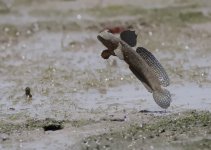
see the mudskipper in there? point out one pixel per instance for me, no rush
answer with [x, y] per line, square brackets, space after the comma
[141, 62]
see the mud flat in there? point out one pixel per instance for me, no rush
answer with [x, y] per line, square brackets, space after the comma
[79, 100]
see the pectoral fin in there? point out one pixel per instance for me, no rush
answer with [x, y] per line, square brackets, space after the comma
[106, 54]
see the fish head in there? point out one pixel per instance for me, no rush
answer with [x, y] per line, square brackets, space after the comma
[109, 40]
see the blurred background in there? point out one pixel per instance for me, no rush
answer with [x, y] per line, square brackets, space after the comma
[51, 47]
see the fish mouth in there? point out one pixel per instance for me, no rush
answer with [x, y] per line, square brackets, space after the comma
[99, 38]
[105, 42]
[102, 40]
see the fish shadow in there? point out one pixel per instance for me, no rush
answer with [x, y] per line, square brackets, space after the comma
[154, 112]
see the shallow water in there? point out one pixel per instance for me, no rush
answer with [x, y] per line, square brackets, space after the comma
[59, 59]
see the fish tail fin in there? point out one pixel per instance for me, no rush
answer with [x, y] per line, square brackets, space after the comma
[162, 98]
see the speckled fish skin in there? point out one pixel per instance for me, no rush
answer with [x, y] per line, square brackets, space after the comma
[161, 96]
[155, 65]
[133, 59]
[140, 67]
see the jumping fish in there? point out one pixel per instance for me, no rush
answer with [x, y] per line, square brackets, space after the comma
[141, 62]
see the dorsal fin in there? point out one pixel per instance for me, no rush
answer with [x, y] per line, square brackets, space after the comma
[155, 65]
[129, 37]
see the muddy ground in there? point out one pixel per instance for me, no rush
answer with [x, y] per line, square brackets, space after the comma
[81, 101]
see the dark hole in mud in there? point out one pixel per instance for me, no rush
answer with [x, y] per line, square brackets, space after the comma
[53, 127]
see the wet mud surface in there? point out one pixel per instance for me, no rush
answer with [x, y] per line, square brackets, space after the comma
[81, 101]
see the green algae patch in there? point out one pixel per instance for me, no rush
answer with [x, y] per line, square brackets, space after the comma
[203, 144]
[178, 15]
[8, 29]
[82, 122]
[193, 17]
[186, 123]
[172, 128]
[47, 124]
[116, 10]
[178, 124]
[51, 13]
[3, 8]
[57, 26]
[28, 2]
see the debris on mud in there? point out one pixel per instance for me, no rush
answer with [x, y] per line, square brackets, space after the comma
[28, 93]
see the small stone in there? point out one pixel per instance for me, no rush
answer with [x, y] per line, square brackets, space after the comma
[78, 16]
[17, 33]
[28, 32]
[11, 108]
[6, 29]
[150, 33]
[28, 93]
